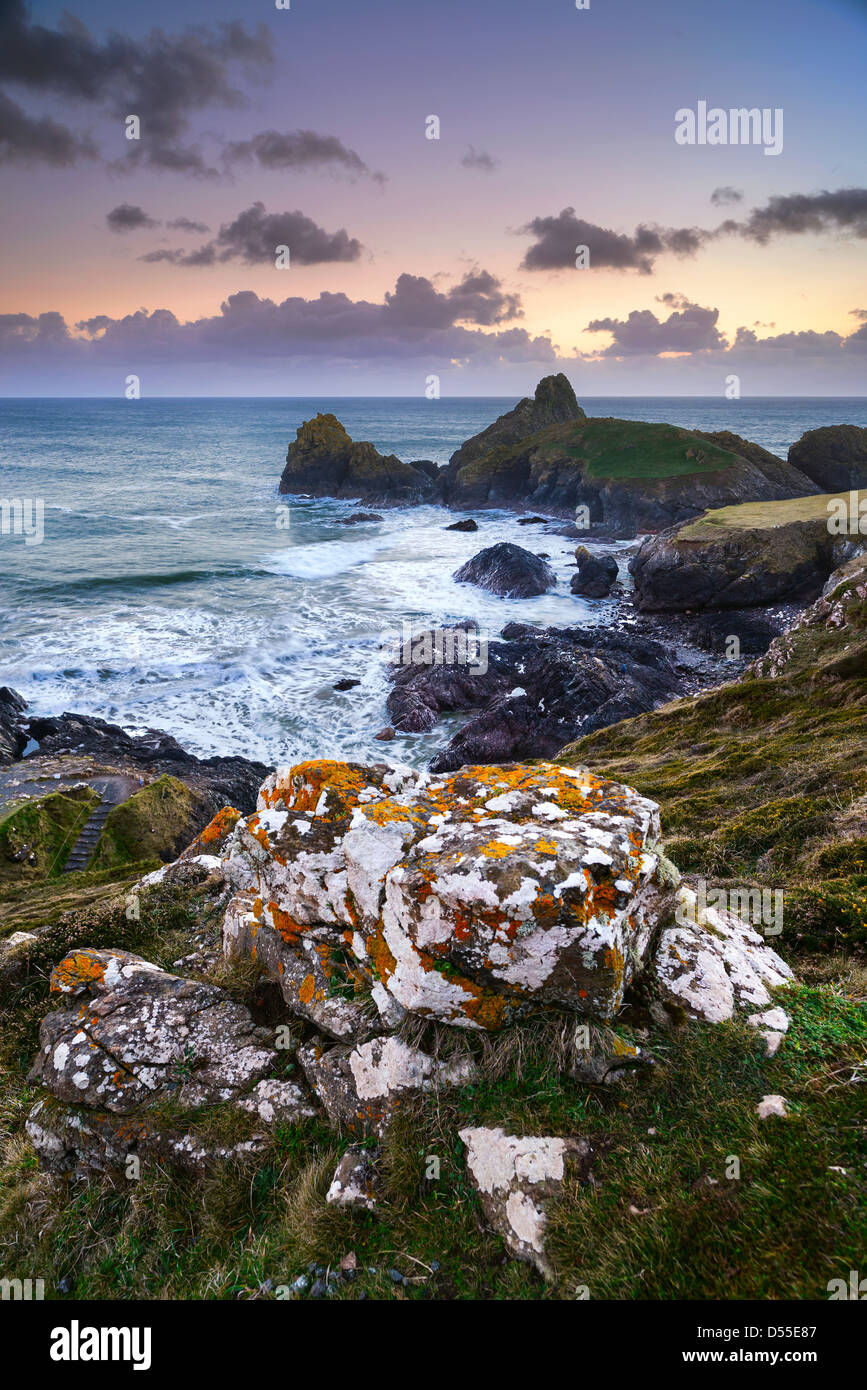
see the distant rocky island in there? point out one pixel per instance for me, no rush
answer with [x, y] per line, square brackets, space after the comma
[547, 455]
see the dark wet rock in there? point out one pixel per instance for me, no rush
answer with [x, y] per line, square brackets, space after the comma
[507, 570]
[13, 738]
[468, 525]
[359, 518]
[346, 684]
[596, 574]
[534, 692]
[426, 466]
[324, 461]
[553, 402]
[385, 735]
[533, 521]
[834, 457]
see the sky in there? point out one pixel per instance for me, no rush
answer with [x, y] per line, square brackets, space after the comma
[411, 263]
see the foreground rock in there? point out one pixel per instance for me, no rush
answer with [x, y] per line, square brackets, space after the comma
[534, 693]
[12, 735]
[516, 1176]
[742, 556]
[134, 1038]
[508, 571]
[355, 1180]
[362, 1087]
[834, 457]
[466, 899]
[323, 461]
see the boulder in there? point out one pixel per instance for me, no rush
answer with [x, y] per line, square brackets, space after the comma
[468, 525]
[359, 518]
[742, 556]
[468, 898]
[134, 1033]
[362, 1087]
[516, 1176]
[710, 964]
[509, 571]
[323, 461]
[834, 457]
[596, 575]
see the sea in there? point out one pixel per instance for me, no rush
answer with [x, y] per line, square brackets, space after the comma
[174, 589]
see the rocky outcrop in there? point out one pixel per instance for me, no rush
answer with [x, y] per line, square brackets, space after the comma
[219, 780]
[13, 738]
[516, 1176]
[627, 476]
[742, 556]
[596, 574]
[508, 571]
[834, 457]
[553, 403]
[532, 694]
[323, 461]
[355, 1180]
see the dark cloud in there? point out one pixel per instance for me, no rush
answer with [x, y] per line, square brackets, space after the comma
[255, 234]
[806, 343]
[725, 194]
[38, 140]
[161, 78]
[299, 149]
[415, 321]
[845, 209]
[558, 237]
[128, 217]
[480, 159]
[690, 328]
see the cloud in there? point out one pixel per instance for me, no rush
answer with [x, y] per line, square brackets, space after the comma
[128, 217]
[480, 159]
[186, 224]
[557, 239]
[28, 140]
[254, 236]
[845, 209]
[414, 321]
[725, 194]
[690, 328]
[299, 149]
[161, 78]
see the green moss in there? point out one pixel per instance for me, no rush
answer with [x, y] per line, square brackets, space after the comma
[36, 837]
[156, 823]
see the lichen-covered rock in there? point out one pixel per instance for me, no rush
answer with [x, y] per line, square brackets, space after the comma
[515, 1177]
[466, 898]
[71, 1137]
[361, 1087]
[135, 1034]
[355, 1180]
[279, 1102]
[711, 964]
